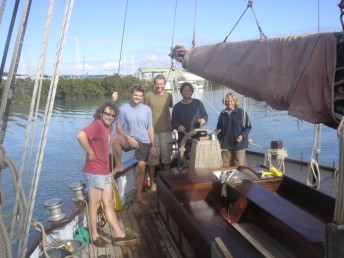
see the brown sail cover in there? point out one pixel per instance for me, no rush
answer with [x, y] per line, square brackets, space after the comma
[294, 73]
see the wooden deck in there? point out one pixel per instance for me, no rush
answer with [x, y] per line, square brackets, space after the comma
[143, 222]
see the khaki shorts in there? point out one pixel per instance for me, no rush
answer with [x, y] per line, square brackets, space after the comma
[163, 148]
[233, 158]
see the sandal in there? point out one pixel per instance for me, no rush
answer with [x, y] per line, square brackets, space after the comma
[100, 242]
[121, 241]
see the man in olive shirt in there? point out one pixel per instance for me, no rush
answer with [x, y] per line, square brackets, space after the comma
[160, 101]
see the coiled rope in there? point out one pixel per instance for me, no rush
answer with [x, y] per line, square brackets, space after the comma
[45, 245]
[9, 235]
[280, 154]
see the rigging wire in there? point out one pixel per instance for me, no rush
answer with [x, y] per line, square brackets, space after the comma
[9, 35]
[2, 8]
[35, 100]
[194, 30]
[318, 16]
[6, 92]
[249, 5]
[205, 99]
[261, 33]
[174, 25]
[120, 54]
[173, 68]
[18, 209]
[46, 123]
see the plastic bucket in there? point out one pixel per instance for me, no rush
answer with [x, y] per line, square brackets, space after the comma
[75, 248]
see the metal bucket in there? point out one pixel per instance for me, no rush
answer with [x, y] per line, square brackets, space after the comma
[56, 252]
[75, 247]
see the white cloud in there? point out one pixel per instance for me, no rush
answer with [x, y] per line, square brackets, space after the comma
[152, 58]
[110, 65]
[84, 67]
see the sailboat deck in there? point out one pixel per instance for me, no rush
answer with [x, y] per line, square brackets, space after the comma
[146, 224]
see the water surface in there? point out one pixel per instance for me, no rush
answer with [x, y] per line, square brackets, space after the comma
[64, 158]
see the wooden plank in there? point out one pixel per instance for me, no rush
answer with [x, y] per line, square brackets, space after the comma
[189, 179]
[262, 241]
[161, 228]
[312, 200]
[223, 248]
[146, 224]
[306, 225]
[200, 224]
[141, 249]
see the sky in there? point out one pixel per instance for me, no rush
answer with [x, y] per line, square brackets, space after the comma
[94, 39]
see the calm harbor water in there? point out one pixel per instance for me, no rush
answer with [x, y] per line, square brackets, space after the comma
[63, 159]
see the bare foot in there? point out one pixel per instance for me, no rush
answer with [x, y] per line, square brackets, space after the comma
[142, 201]
[152, 188]
[117, 169]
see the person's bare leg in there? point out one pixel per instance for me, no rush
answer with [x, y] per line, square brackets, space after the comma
[167, 167]
[141, 165]
[111, 217]
[94, 198]
[151, 176]
[117, 143]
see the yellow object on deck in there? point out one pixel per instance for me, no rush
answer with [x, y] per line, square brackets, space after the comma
[273, 172]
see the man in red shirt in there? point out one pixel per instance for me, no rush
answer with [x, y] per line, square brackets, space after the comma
[95, 140]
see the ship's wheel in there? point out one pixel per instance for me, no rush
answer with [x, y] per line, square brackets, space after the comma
[186, 142]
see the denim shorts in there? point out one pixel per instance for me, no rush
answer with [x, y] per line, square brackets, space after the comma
[97, 181]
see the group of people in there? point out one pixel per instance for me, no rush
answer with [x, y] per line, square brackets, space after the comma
[145, 125]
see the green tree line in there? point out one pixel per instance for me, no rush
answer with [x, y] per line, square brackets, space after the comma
[84, 89]
[78, 89]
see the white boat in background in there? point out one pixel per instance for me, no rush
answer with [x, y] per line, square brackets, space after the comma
[195, 84]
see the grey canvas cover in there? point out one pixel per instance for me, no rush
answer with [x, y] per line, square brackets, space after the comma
[294, 73]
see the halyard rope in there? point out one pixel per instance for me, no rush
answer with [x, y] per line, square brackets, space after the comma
[339, 208]
[46, 123]
[313, 174]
